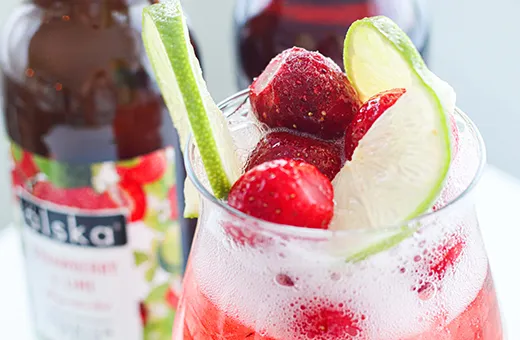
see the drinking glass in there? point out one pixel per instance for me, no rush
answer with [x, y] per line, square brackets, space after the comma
[251, 279]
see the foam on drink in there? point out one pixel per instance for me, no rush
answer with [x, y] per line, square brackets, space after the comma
[271, 283]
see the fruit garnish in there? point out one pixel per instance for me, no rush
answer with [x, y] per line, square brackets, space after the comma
[401, 162]
[321, 319]
[147, 169]
[325, 156]
[191, 107]
[366, 117]
[286, 192]
[399, 166]
[306, 92]
[379, 56]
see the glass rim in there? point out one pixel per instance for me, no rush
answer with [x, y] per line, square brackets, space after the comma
[309, 232]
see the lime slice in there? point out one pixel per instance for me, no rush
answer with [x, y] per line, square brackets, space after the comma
[379, 56]
[400, 165]
[191, 107]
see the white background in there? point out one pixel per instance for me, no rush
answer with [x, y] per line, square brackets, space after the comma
[475, 47]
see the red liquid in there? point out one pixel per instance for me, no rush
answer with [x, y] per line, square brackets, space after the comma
[198, 318]
[263, 31]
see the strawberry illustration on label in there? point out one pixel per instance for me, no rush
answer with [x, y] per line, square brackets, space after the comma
[146, 169]
[81, 198]
[134, 198]
[24, 167]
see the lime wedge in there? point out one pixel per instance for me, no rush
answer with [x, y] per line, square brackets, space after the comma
[379, 56]
[400, 165]
[191, 107]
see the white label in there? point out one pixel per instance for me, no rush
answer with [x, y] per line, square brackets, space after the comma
[79, 270]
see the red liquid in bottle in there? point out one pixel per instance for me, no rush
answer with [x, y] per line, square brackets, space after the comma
[265, 28]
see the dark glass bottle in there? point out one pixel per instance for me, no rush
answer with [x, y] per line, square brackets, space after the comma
[97, 171]
[264, 28]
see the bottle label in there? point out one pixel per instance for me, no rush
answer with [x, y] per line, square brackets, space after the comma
[102, 245]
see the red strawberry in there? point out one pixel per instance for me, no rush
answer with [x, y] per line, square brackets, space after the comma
[366, 116]
[17, 179]
[319, 319]
[27, 165]
[304, 91]
[81, 198]
[286, 192]
[284, 145]
[149, 169]
[23, 170]
[134, 198]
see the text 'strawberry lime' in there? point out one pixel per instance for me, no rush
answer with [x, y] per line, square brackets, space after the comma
[304, 91]
[325, 156]
[285, 192]
[366, 117]
[148, 169]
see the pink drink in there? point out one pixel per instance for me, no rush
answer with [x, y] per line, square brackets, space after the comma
[204, 320]
[249, 279]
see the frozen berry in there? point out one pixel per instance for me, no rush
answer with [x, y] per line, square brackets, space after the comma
[325, 156]
[285, 192]
[304, 91]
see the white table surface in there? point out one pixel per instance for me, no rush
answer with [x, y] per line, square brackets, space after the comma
[498, 207]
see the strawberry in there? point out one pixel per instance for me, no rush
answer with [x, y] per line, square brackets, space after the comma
[286, 192]
[319, 319]
[150, 168]
[17, 178]
[323, 155]
[366, 116]
[304, 91]
[134, 198]
[27, 165]
[81, 198]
